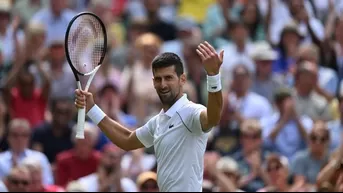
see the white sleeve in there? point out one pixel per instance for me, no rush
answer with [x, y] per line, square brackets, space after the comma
[145, 134]
[195, 124]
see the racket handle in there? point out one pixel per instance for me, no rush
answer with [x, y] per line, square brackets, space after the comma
[81, 118]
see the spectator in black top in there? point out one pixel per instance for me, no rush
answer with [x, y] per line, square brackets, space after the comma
[165, 31]
[55, 137]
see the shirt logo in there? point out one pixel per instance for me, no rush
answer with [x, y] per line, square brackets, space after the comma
[170, 126]
[214, 87]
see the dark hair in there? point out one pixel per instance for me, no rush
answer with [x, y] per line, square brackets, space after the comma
[55, 101]
[167, 59]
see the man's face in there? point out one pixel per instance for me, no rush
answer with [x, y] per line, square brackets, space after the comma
[264, 67]
[18, 138]
[167, 84]
[19, 182]
[62, 113]
[111, 159]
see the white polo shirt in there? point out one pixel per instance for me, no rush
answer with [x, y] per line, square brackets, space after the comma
[179, 144]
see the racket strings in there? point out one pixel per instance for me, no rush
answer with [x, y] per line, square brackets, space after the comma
[86, 43]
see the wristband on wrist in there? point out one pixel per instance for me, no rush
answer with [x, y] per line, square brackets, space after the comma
[214, 83]
[96, 114]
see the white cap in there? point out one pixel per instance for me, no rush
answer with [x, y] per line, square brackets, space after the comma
[5, 6]
[263, 51]
[227, 164]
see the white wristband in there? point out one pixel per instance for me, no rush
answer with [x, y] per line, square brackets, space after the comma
[96, 114]
[214, 83]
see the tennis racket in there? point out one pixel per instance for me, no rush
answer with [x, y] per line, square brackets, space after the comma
[85, 47]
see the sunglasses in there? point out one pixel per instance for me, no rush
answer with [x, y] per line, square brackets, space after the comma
[16, 135]
[318, 139]
[252, 136]
[18, 182]
[274, 167]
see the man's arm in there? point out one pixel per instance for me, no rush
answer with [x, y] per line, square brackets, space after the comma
[212, 62]
[211, 116]
[118, 134]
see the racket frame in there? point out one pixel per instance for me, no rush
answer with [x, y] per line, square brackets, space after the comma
[81, 117]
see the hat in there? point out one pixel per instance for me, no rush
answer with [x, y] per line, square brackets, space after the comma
[263, 51]
[293, 28]
[145, 176]
[281, 94]
[227, 164]
[35, 27]
[5, 6]
[185, 24]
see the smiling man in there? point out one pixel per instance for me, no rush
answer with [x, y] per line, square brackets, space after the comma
[179, 132]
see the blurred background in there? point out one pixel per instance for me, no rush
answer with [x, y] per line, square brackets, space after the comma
[281, 127]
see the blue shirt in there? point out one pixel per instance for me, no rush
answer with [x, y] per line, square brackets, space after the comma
[6, 164]
[336, 129]
[289, 140]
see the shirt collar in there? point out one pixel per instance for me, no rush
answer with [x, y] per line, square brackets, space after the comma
[176, 106]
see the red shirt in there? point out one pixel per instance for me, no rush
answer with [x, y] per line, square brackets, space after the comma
[69, 167]
[53, 188]
[31, 109]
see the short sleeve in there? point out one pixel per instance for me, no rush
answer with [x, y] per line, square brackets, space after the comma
[145, 134]
[195, 124]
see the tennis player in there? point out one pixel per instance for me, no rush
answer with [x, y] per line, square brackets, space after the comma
[179, 132]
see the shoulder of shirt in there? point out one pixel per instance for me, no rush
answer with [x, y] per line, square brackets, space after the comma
[303, 154]
[64, 156]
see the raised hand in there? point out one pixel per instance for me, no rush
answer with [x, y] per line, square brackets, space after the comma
[209, 57]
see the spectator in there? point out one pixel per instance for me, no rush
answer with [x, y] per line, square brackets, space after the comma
[277, 169]
[26, 9]
[80, 161]
[242, 102]
[331, 174]
[18, 180]
[18, 140]
[226, 175]
[147, 182]
[10, 34]
[251, 156]
[327, 78]
[237, 51]
[265, 83]
[108, 177]
[35, 168]
[290, 39]
[308, 163]
[217, 20]
[252, 18]
[51, 138]
[61, 77]
[285, 131]
[23, 98]
[336, 126]
[55, 18]
[162, 29]
[137, 84]
[308, 102]
[310, 26]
